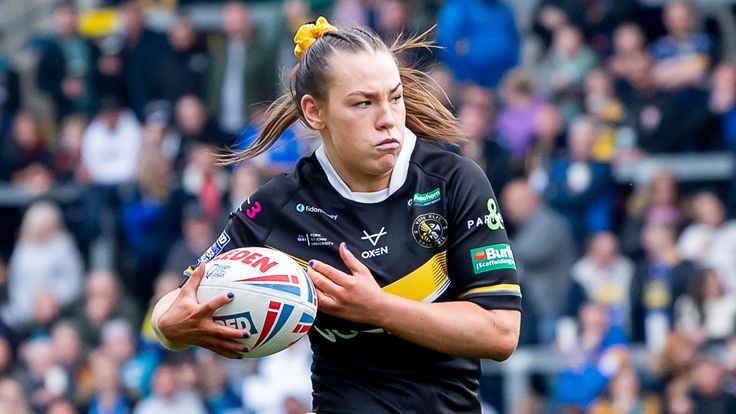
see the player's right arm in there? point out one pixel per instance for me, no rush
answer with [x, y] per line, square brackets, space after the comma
[179, 320]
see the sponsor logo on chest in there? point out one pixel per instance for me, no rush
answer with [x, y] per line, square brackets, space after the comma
[303, 208]
[374, 239]
[425, 199]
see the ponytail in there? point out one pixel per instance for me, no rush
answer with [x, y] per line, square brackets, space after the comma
[426, 116]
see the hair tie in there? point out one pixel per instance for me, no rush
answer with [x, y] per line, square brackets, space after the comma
[308, 33]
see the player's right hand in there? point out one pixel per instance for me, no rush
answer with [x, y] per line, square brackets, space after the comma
[187, 321]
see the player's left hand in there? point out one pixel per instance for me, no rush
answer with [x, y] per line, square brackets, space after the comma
[355, 297]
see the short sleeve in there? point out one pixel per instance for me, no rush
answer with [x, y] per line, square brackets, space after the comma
[247, 226]
[480, 258]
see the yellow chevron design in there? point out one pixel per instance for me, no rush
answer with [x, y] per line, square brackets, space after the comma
[421, 284]
[424, 282]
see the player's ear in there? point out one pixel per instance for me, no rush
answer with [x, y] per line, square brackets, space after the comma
[312, 111]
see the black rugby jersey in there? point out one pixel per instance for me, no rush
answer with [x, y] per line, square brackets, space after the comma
[438, 237]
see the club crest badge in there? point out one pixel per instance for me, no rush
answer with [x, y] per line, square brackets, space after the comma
[430, 230]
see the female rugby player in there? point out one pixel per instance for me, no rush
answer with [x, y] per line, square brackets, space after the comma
[414, 273]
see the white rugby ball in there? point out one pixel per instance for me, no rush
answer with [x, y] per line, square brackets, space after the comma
[274, 299]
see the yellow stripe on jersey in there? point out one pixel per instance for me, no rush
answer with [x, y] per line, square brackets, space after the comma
[426, 283]
[302, 263]
[502, 289]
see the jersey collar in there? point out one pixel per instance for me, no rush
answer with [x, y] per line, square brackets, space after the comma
[398, 175]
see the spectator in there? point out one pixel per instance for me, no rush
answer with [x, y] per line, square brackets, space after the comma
[219, 396]
[104, 300]
[62, 406]
[628, 43]
[198, 233]
[7, 357]
[479, 40]
[707, 312]
[45, 270]
[42, 378]
[596, 19]
[521, 104]
[268, 391]
[66, 70]
[243, 183]
[9, 92]
[150, 221]
[722, 102]
[544, 250]
[678, 398]
[568, 60]
[25, 161]
[243, 69]
[670, 367]
[657, 202]
[204, 181]
[708, 215]
[167, 397]
[183, 69]
[478, 118]
[624, 396]
[66, 341]
[12, 397]
[601, 103]
[580, 188]
[602, 352]
[159, 134]
[68, 154]
[709, 394]
[135, 368]
[654, 114]
[141, 54]
[109, 396]
[683, 56]
[605, 276]
[195, 127]
[661, 278]
[111, 145]
[549, 138]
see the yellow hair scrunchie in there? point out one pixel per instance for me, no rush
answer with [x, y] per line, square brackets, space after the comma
[308, 33]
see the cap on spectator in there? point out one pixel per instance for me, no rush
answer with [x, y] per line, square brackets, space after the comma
[159, 112]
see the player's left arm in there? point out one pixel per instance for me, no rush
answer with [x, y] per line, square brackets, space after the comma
[460, 328]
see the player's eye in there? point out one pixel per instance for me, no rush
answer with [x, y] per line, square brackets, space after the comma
[362, 104]
[396, 98]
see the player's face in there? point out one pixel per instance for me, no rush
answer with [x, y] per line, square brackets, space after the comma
[364, 118]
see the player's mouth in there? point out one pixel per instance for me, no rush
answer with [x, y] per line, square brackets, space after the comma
[388, 144]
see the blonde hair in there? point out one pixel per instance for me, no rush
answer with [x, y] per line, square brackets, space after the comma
[426, 116]
[43, 218]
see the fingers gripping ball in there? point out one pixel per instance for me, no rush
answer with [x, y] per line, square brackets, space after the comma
[274, 299]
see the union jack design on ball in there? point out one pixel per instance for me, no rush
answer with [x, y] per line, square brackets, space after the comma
[311, 297]
[277, 315]
[305, 322]
[282, 283]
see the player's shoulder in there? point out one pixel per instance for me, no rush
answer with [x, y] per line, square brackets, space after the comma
[432, 158]
[281, 188]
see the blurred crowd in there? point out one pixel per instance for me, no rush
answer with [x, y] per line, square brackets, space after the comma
[110, 194]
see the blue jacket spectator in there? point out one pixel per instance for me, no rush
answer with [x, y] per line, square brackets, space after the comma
[580, 188]
[602, 351]
[479, 39]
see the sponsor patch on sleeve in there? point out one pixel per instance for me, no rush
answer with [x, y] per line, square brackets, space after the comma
[492, 257]
[216, 247]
